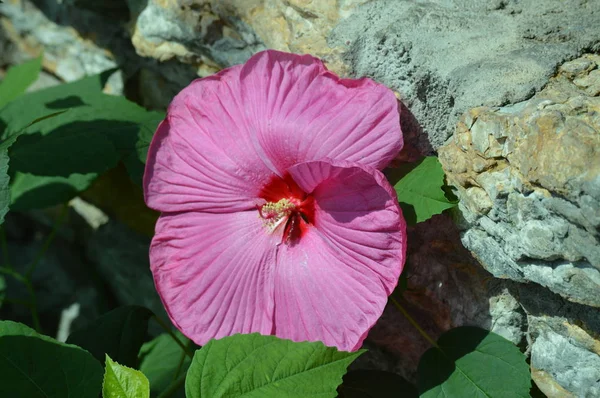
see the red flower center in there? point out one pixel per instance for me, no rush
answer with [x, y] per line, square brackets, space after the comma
[289, 210]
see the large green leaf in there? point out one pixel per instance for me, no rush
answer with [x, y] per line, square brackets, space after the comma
[35, 366]
[259, 366]
[420, 190]
[96, 133]
[31, 106]
[119, 333]
[123, 382]
[160, 360]
[18, 78]
[376, 384]
[472, 362]
[6, 194]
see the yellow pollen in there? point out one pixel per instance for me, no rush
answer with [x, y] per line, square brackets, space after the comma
[276, 213]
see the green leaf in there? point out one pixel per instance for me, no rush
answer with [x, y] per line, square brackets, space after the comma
[420, 191]
[34, 365]
[119, 333]
[2, 289]
[96, 133]
[28, 191]
[123, 382]
[472, 362]
[18, 78]
[259, 366]
[160, 359]
[5, 190]
[87, 91]
[375, 384]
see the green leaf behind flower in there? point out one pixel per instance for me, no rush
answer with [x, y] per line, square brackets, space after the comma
[420, 190]
[119, 333]
[162, 361]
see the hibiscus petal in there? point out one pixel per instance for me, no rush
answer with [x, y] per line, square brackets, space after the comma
[300, 112]
[202, 157]
[214, 273]
[332, 285]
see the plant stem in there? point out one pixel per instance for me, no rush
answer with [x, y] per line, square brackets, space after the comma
[29, 286]
[4, 247]
[33, 307]
[181, 360]
[49, 239]
[173, 387]
[414, 323]
[167, 329]
[16, 301]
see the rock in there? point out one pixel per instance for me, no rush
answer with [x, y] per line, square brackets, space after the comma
[191, 31]
[536, 172]
[564, 341]
[446, 57]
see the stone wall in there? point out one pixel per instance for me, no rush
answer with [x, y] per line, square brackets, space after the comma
[505, 91]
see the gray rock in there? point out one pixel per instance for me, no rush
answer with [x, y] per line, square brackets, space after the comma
[445, 57]
[563, 341]
[535, 215]
[193, 32]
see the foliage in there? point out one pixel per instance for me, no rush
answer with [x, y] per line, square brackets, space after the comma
[54, 143]
[472, 362]
[57, 158]
[163, 361]
[123, 382]
[420, 190]
[119, 334]
[18, 78]
[268, 367]
[34, 365]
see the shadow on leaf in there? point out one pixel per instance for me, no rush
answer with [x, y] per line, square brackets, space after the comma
[71, 101]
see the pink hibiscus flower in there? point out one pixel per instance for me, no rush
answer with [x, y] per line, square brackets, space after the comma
[275, 218]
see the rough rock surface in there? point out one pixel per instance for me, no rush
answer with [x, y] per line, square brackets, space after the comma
[443, 56]
[528, 179]
[528, 176]
[564, 343]
[447, 56]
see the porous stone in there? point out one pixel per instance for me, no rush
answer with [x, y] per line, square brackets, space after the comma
[445, 57]
[542, 185]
